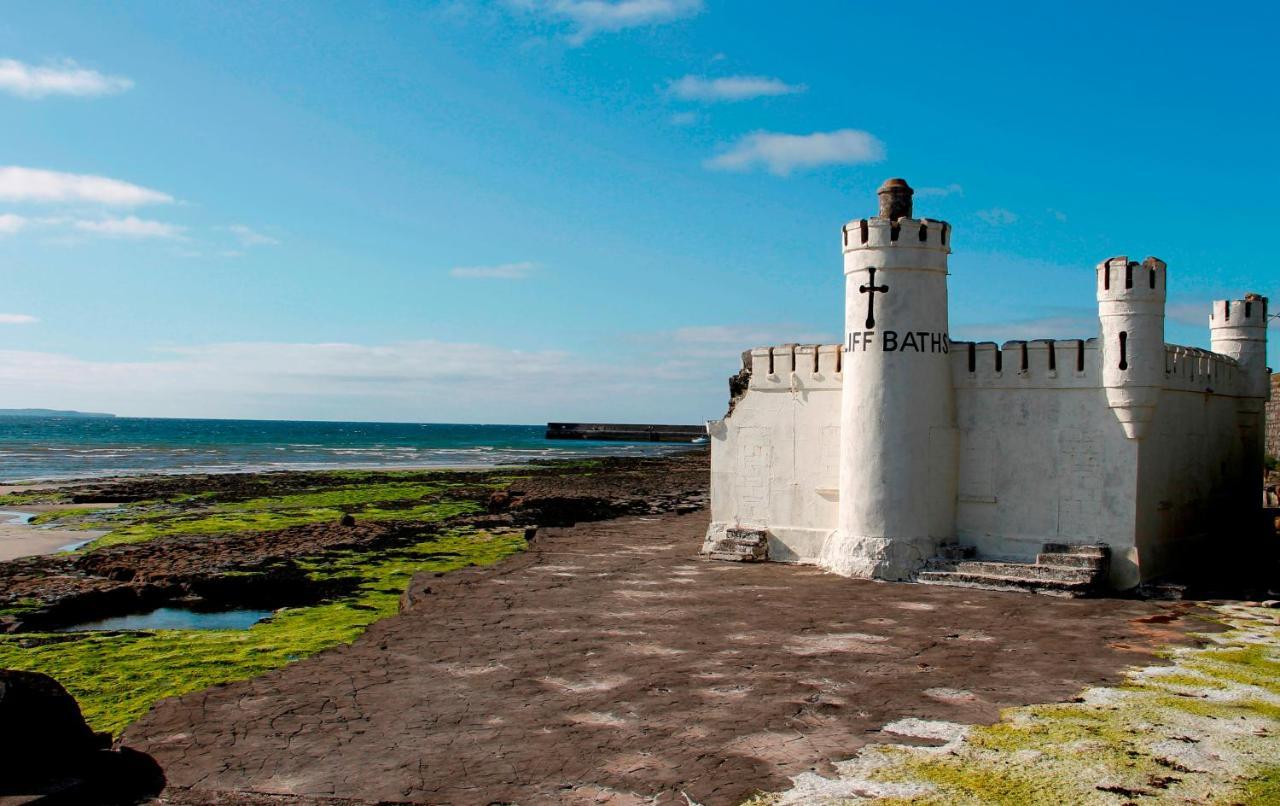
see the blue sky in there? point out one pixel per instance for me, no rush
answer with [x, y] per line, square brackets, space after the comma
[577, 209]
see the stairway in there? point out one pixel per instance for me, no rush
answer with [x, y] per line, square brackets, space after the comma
[740, 545]
[1061, 569]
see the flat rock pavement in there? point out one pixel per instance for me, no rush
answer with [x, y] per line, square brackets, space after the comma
[610, 664]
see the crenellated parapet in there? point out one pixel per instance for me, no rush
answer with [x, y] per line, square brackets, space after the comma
[906, 233]
[792, 367]
[1191, 369]
[1041, 363]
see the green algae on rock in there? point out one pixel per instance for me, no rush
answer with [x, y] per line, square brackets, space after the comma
[117, 677]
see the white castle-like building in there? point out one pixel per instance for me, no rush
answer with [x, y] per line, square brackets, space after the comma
[875, 457]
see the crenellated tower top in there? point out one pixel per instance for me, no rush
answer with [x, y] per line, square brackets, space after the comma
[1121, 278]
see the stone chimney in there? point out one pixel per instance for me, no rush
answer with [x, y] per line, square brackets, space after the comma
[895, 199]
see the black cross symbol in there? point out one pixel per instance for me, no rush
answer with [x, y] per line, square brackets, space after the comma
[870, 290]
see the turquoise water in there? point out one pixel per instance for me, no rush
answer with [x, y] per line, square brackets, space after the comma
[175, 618]
[68, 447]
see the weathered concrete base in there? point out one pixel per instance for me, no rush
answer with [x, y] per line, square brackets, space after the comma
[874, 557]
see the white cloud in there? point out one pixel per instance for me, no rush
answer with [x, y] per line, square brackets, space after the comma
[502, 271]
[129, 227]
[939, 192]
[17, 319]
[417, 381]
[591, 17]
[997, 216]
[250, 237]
[65, 78]
[10, 223]
[19, 184]
[685, 118]
[731, 88]
[783, 153]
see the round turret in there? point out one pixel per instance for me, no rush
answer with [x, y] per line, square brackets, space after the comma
[897, 404]
[1238, 328]
[1131, 300]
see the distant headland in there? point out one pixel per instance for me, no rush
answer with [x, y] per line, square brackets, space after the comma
[50, 413]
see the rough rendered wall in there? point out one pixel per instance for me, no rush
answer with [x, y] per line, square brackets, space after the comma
[775, 459]
[1273, 418]
[1194, 478]
[1042, 457]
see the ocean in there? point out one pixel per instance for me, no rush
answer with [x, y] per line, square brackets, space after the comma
[39, 448]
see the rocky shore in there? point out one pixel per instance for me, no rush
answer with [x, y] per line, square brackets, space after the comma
[260, 568]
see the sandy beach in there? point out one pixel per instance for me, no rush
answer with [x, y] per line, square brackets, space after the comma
[19, 539]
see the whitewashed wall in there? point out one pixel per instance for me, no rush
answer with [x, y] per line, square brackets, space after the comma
[1042, 457]
[775, 461]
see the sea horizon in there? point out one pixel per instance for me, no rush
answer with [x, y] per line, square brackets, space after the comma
[61, 448]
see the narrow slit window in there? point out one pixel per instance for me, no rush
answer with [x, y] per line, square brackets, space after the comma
[770, 360]
[999, 359]
[1024, 357]
[1106, 276]
[1153, 278]
[924, 233]
[1124, 349]
[1053, 357]
[973, 357]
[1128, 275]
[863, 226]
[1080, 356]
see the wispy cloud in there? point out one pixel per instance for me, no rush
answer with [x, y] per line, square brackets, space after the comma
[685, 118]
[731, 88]
[10, 223]
[248, 236]
[129, 227]
[997, 216]
[17, 319]
[63, 78]
[783, 153]
[591, 17]
[18, 184]
[501, 271]
[939, 192]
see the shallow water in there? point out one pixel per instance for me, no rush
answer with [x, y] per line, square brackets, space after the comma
[175, 618]
[12, 518]
[54, 448]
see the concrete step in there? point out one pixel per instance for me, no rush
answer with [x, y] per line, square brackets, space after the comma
[998, 582]
[1026, 571]
[740, 545]
[1087, 549]
[1085, 561]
